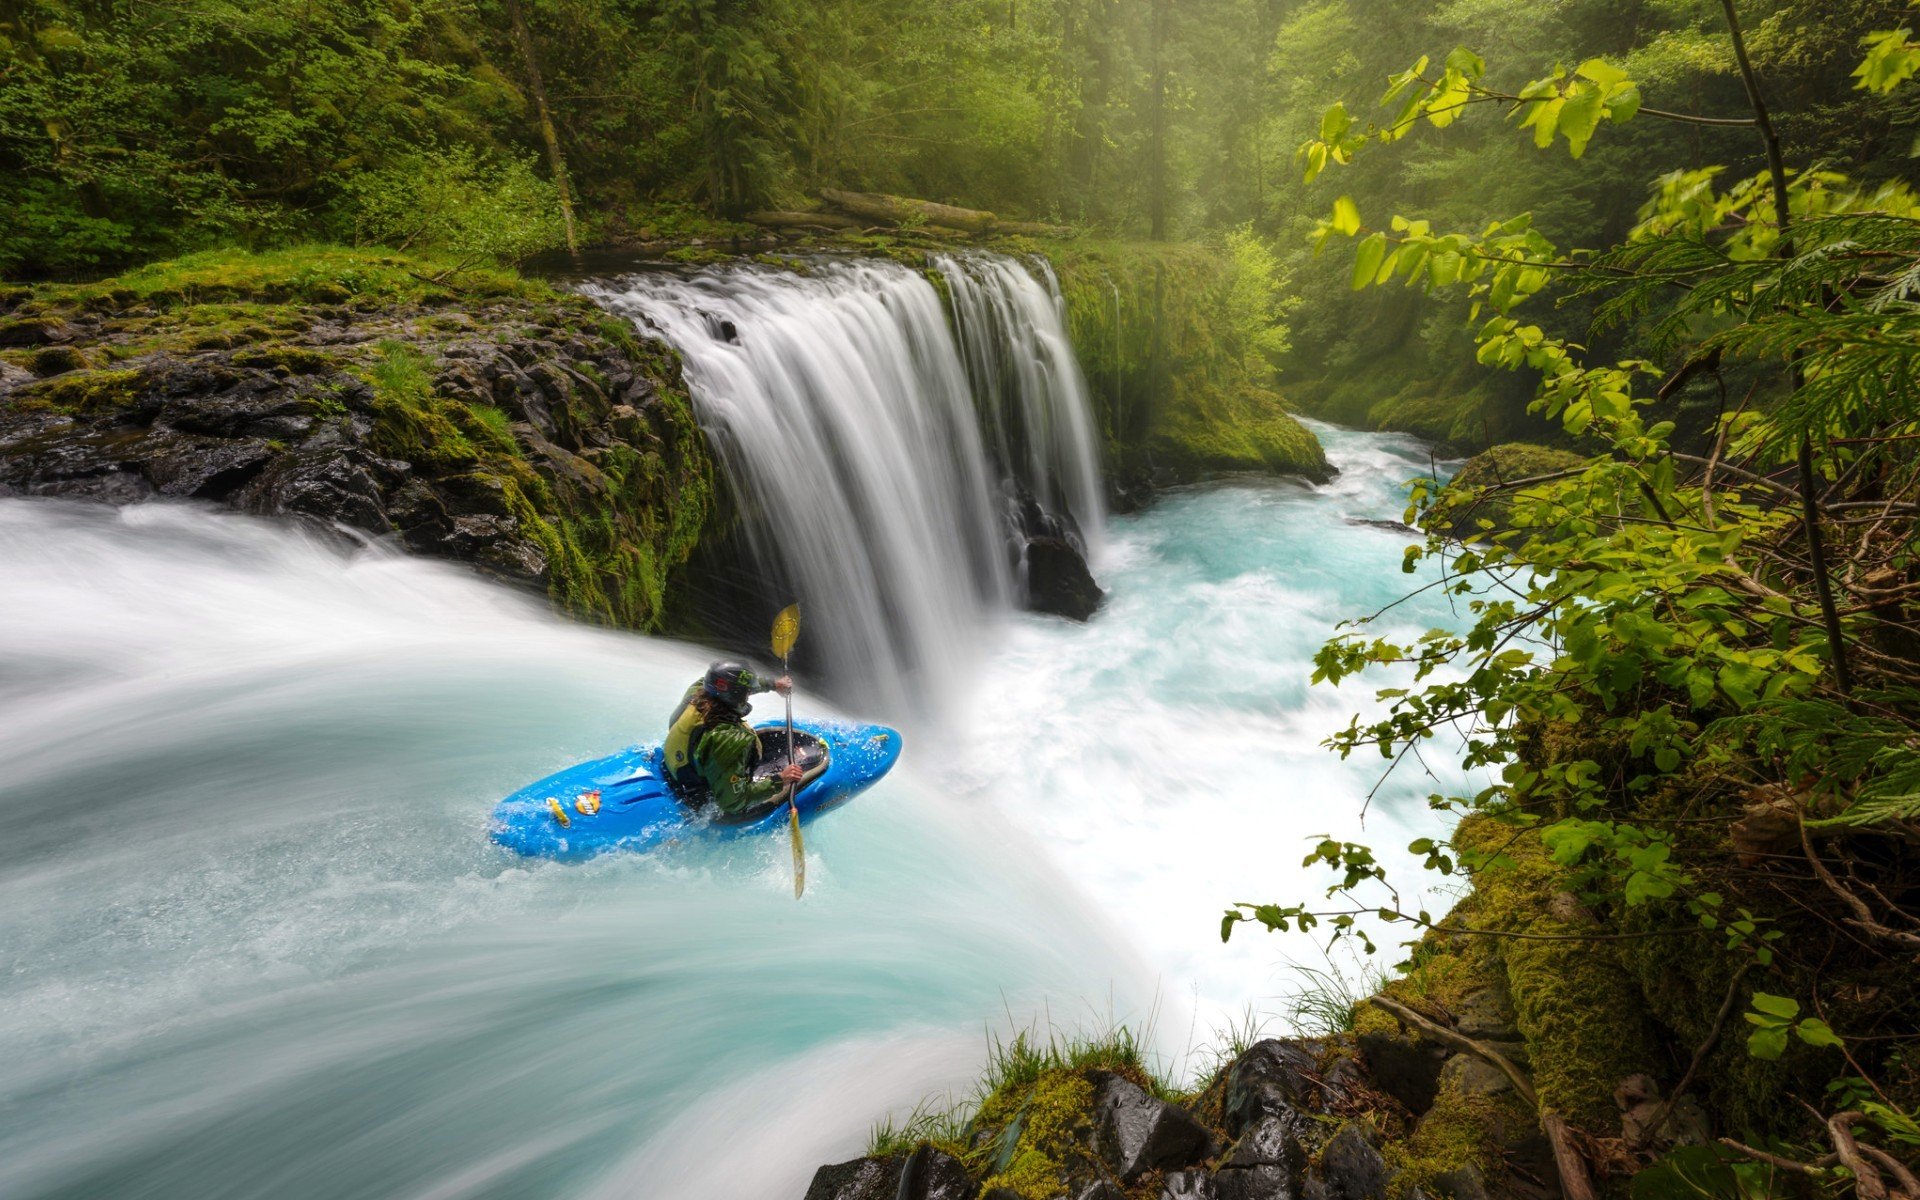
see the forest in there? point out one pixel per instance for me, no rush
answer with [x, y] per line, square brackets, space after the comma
[1650, 269]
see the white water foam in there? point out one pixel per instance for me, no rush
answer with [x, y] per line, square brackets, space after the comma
[848, 417]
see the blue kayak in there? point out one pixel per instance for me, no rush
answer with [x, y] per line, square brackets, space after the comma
[622, 802]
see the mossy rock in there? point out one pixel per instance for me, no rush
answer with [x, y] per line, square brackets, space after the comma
[87, 391]
[1246, 430]
[1471, 510]
[1037, 1132]
[1583, 1019]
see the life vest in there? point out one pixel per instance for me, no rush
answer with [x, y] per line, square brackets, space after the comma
[682, 749]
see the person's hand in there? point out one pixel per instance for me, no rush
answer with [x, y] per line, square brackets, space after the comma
[784, 685]
[792, 773]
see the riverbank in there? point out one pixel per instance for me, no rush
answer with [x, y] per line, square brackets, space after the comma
[465, 414]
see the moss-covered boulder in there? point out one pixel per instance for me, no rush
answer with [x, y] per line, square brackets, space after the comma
[475, 416]
[1479, 499]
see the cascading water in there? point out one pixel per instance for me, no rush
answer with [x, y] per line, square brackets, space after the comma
[848, 412]
[1033, 399]
[258, 945]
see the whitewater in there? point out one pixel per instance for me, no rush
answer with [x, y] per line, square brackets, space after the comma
[257, 943]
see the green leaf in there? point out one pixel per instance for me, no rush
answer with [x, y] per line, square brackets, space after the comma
[1768, 1044]
[1580, 116]
[1467, 63]
[1815, 1032]
[1346, 216]
[1784, 1007]
[1601, 72]
[1366, 264]
[1335, 123]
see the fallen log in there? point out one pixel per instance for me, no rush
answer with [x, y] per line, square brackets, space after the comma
[801, 220]
[903, 210]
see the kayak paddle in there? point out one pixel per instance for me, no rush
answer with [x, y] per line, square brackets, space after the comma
[786, 631]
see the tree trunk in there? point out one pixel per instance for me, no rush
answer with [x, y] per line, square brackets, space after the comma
[555, 159]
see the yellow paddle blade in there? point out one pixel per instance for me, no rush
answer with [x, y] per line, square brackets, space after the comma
[786, 630]
[799, 852]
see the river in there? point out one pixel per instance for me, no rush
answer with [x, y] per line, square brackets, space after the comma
[257, 943]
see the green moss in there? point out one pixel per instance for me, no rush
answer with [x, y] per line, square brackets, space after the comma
[1179, 388]
[294, 360]
[56, 360]
[87, 391]
[1584, 1022]
[1459, 1131]
[1473, 512]
[297, 275]
[1042, 1127]
[491, 425]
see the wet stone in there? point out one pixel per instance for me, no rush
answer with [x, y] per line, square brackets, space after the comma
[1136, 1133]
[1272, 1079]
[1349, 1169]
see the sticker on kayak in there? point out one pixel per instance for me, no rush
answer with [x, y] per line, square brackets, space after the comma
[588, 803]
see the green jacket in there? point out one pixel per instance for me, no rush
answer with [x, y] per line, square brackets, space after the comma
[725, 758]
[719, 756]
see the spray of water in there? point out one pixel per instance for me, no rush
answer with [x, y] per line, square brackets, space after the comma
[257, 943]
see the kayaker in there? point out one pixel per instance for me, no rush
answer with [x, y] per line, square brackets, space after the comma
[711, 751]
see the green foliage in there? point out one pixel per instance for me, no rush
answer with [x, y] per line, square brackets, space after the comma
[455, 202]
[1774, 1017]
[1651, 622]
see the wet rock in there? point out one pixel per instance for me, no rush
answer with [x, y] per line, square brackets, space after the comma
[1404, 1067]
[1267, 1161]
[1099, 1189]
[12, 377]
[1136, 1133]
[1254, 1183]
[926, 1174]
[1461, 1183]
[1058, 580]
[28, 331]
[207, 468]
[1189, 1185]
[1349, 1168]
[1272, 1079]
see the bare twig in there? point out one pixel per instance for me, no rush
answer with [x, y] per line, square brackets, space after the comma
[1460, 1041]
[1866, 1177]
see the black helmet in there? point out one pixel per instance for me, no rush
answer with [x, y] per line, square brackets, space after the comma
[732, 684]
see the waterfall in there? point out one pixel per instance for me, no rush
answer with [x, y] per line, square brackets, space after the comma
[885, 446]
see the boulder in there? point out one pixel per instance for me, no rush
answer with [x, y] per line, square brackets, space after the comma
[1272, 1078]
[1189, 1185]
[1486, 1014]
[926, 1174]
[1349, 1168]
[1462, 1183]
[1058, 581]
[1135, 1133]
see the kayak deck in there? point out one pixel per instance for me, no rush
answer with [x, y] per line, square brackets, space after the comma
[623, 802]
